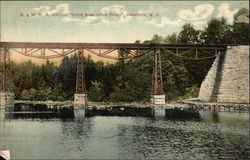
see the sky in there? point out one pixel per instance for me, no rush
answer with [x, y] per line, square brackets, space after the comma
[106, 21]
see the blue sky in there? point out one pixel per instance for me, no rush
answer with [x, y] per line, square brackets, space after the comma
[116, 23]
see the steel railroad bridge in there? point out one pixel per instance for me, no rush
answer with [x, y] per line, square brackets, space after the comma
[115, 51]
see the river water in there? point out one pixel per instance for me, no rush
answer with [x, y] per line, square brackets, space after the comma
[221, 135]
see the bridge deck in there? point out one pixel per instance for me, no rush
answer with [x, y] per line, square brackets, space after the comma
[107, 45]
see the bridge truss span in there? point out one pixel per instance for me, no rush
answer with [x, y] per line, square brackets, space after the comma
[115, 51]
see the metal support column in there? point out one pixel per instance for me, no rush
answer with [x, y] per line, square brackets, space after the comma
[6, 96]
[4, 69]
[157, 85]
[80, 97]
[80, 78]
[158, 96]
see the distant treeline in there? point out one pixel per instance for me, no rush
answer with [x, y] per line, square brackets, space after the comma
[130, 81]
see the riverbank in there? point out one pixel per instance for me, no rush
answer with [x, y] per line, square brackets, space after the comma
[215, 106]
[181, 104]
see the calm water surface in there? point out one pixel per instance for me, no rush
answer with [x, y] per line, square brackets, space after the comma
[215, 136]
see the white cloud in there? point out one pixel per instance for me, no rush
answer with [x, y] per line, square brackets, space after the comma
[114, 10]
[118, 14]
[46, 8]
[200, 12]
[61, 8]
[224, 11]
[164, 21]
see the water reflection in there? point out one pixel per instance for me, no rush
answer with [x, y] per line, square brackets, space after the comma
[2, 114]
[36, 111]
[2, 124]
[216, 135]
[76, 132]
[186, 114]
[215, 117]
[227, 118]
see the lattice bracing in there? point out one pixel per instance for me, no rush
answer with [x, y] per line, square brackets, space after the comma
[157, 84]
[5, 75]
[80, 77]
[108, 50]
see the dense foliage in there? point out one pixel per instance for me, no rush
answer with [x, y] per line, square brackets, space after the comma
[129, 81]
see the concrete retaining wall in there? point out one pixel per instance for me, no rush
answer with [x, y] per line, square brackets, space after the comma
[228, 78]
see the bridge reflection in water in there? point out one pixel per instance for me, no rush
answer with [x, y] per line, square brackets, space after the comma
[45, 112]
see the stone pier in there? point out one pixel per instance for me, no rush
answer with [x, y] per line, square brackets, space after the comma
[6, 104]
[80, 103]
[6, 99]
[228, 78]
[159, 113]
[158, 99]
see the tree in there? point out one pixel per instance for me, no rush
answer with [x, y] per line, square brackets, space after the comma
[130, 84]
[189, 35]
[25, 95]
[30, 94]
[218, 31]
[157, 39]
[137, 42]
[65, 75]
[96, 92]
[173, 38]
[241, 26]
